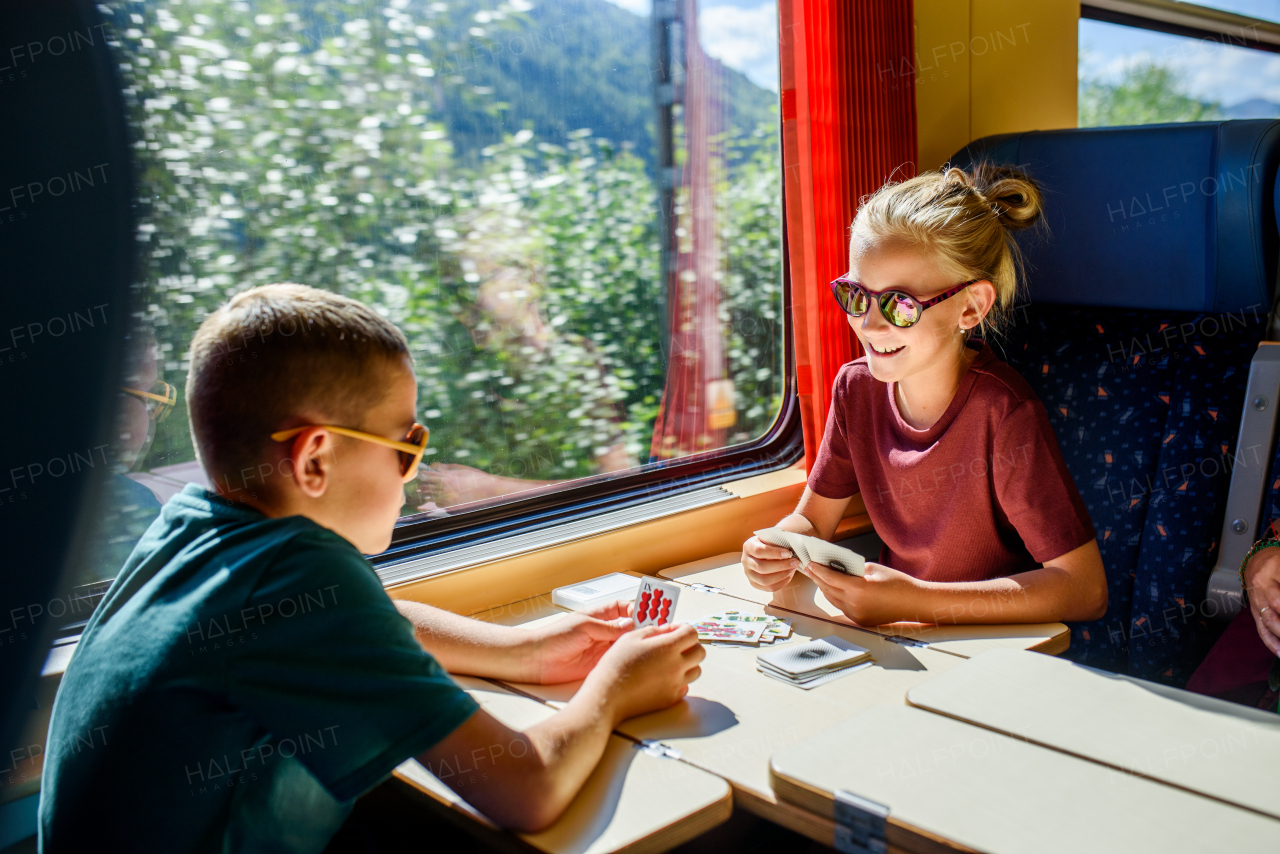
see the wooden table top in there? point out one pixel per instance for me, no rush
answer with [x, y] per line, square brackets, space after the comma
[948, 784]
[633, 802]
[724, 572]
[1209, 746]
[735, 717]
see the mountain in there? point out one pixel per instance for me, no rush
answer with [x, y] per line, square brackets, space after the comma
[1254, 108]
[566, 65]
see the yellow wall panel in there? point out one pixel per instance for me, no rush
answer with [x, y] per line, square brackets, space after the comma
[942, 79]
[992, 66]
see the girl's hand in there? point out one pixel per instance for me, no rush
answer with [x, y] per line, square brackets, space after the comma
[768, 568]
[881, 596]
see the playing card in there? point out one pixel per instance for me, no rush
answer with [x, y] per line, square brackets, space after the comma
[837, 557]
[655, 602]
[739, 617]
[821, 678]
[814, 550]
[829, 653]
[778, 629]
[729, 632]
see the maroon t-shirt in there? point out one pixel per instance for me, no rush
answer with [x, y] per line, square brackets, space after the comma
[981, 494]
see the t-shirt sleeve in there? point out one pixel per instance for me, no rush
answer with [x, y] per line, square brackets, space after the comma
[1033, 486]
[833, 475]
[331, 664]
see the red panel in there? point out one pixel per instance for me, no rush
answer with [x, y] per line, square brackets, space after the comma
[846, 128]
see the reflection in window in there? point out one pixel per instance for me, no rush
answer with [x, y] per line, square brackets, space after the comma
[489, 175]
[1131, 76]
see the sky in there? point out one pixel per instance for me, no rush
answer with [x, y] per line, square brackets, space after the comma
[743, 34]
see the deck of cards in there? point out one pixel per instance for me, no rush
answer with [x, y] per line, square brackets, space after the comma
[814, 550]
[737, 627]
[655, 602]
[808, 665]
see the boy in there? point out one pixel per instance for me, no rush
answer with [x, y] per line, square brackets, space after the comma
[246, 677]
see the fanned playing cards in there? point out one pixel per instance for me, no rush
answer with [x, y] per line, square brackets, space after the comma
[737, 627]
[814, 550]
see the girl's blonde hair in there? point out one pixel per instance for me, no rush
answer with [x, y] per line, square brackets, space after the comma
[966, 217]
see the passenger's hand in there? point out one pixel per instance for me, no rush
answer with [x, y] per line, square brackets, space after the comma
[768, 568]
[648, 669]
[447, 484]
[883, 595]
[1262, 580]
[567, 648]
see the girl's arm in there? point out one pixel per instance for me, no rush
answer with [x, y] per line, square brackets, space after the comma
[1072, 587]
[769, 567]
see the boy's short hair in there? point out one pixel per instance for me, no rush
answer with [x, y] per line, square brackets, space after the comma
[273, 351]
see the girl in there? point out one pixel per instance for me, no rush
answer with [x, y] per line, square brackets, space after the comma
[950, 449]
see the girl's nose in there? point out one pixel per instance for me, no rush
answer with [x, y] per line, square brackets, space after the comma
[872, 320]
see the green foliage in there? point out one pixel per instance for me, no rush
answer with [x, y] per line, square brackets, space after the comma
[1148, 93]
[343, 145]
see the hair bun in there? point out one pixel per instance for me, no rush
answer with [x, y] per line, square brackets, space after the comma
[1012, 194]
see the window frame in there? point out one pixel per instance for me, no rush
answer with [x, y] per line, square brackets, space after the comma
[1186, 19]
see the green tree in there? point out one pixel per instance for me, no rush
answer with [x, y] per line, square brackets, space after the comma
[314, 142]
[1147, 93]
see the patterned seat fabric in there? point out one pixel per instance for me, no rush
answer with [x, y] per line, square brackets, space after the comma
[1146, 407]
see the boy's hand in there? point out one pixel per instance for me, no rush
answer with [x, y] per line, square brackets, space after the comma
[567, 648]
[768, 568]
[881, 596]
[648, 669]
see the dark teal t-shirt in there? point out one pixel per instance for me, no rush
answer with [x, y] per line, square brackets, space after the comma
[244, 680]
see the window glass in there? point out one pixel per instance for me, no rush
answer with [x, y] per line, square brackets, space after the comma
[1131, 76]
[572, 211]
[1265, 10]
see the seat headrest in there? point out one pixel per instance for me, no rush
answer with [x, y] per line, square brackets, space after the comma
[1178, 217]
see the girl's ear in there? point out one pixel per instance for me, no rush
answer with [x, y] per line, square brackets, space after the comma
[982, 297]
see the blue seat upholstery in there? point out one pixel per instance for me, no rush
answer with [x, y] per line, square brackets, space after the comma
[1148, 297]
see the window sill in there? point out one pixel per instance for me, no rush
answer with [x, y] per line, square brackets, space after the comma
[644, 547]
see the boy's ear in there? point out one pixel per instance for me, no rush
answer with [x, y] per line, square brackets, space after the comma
[312, 459]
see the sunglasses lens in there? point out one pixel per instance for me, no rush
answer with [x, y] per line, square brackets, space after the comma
[900, 309]
[851, 298]
[409, 462]
[858, 302]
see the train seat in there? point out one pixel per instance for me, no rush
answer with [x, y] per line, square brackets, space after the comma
[1149, 293]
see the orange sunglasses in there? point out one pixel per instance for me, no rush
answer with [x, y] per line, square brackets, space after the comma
[411, 450]
[159, 401]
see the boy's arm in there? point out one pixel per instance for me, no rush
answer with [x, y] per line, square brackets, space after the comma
[528, 778]
[563, 650]
[1072, 587]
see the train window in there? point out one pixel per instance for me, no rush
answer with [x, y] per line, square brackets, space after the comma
[1266, 10]
[1133, 76]
[573, 210]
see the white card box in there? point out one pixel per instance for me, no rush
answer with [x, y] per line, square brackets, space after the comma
[596, 591]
